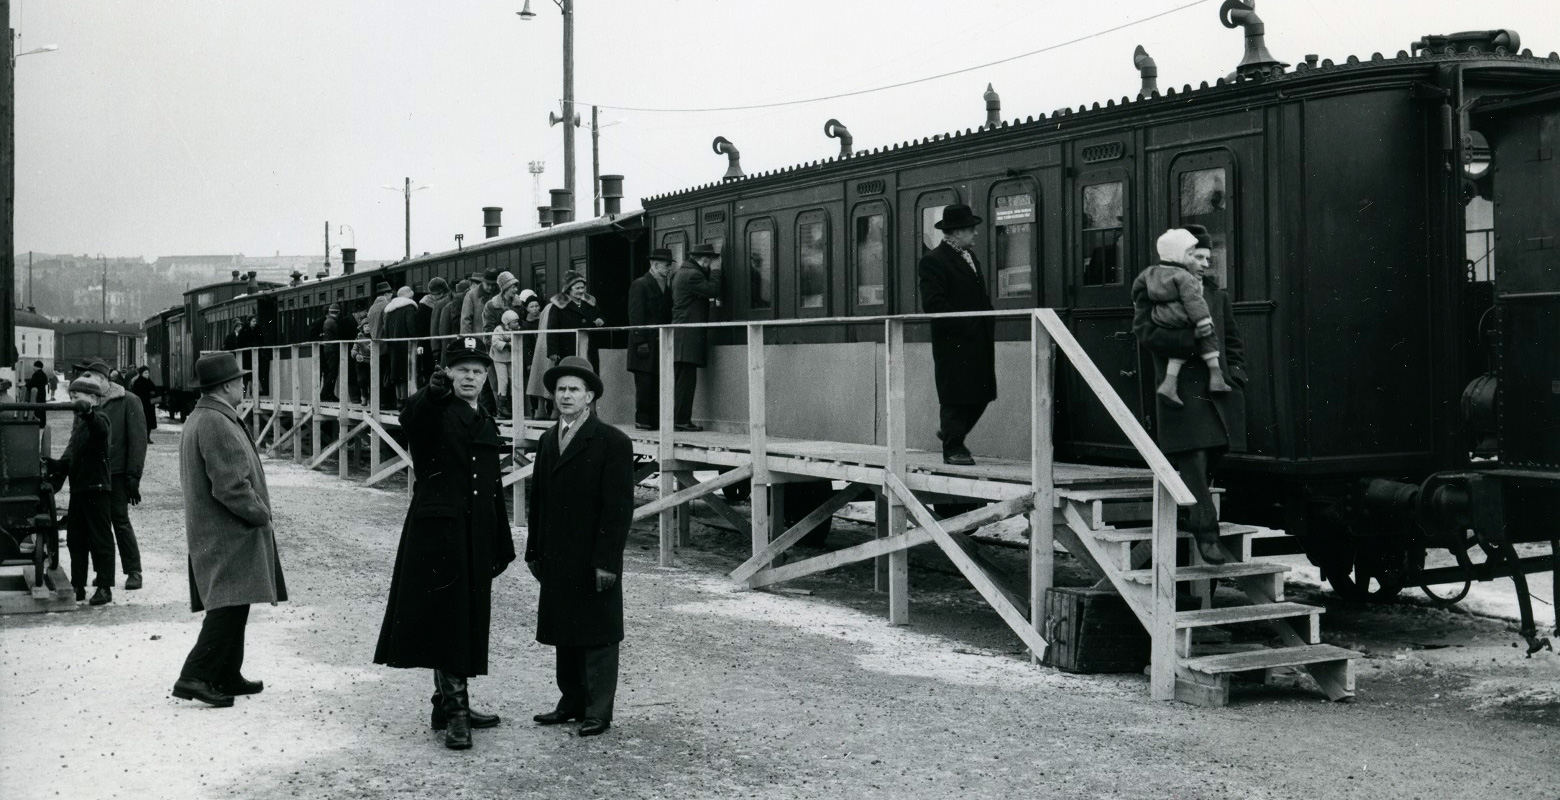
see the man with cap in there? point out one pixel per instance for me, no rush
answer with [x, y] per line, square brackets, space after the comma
[127, 439]
[649, 303]
[694, 286]
[233, 561]
[472, 305]
[446, 321]
[582, 503]
[428, 308]
[331, 330]
[964, 351]
[85, 463]
[454, 542]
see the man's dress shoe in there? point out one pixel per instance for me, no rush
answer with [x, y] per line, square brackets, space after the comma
[594, 727]
[687, 427]
[133, 582]
[558, 717]
[241, 686]
[193, 689]
[959, 459]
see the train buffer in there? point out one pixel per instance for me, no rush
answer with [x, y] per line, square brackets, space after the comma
[1119, 522]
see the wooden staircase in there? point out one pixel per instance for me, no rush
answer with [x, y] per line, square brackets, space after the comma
[1183, 668]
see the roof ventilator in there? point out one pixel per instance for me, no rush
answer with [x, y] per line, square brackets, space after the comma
[612, 195]
[348, 260]
[490, 220]
[993, 108]
[1470, 42]
[834, 130]
[1148, 71]
[1257, 62]
[724, 147]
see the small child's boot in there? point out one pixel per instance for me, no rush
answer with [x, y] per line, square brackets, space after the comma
[1167, 390]
[1216, 382]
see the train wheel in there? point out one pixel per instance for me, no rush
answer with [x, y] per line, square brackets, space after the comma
[1377, 573]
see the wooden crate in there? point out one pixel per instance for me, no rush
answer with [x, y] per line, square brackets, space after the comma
[1093, 631]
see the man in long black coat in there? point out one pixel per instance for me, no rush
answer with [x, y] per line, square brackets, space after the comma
[649, 303]
[964, 354]
[582, 503]
[695, 285]
[454, 542]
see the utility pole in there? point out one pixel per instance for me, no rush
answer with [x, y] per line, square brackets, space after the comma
[595, 157]
[567, 6]
[29, 279]
[408, 217]
[327, 248]
[8, 192]
[104, 261]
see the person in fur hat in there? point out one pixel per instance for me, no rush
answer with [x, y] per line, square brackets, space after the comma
[1174, 287]
[493, 310]
[569, 310]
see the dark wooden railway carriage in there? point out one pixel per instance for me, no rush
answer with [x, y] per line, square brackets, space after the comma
[1351, 225]
[190, 331]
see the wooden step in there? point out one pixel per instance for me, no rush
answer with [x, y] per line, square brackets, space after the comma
[1235, 615]
[1141, 492]
[1117, 535]
[1234, 569]
[1268, 659]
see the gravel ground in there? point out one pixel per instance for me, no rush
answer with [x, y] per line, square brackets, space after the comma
[727, 693]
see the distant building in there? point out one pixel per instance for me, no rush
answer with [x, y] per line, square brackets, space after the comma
[35, 341]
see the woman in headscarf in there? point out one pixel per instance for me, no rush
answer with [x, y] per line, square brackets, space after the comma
[569, 310]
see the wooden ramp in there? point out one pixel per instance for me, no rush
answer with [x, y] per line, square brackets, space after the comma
[1075, 505]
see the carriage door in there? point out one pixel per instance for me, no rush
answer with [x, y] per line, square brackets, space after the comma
[1101, 283]
[1524, 136]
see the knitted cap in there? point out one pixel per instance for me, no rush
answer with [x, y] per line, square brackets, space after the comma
[510, 316]
[1174, 243]
[86, 387]
[506, 279]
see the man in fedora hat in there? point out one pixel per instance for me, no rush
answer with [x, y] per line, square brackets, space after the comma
[233, 561]
[963, 350]
[649, 303]
[694, 286]
[454, 542]
[582, 503]
[332, 331]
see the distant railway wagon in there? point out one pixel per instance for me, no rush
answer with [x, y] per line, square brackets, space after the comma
[114, 343]
[1385, 227]
[184, 333]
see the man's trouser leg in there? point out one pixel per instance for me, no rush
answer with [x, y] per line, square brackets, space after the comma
[685, 378]
[90, 534]
[218, 654]
[587, 680]
[957, 421]
[647, 398]
[570, 674]
[124, 532]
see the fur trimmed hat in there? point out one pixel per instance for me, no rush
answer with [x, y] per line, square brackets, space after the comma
[1174, 243]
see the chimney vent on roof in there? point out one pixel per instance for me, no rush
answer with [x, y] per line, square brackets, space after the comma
[724, 147]
[834, 130]
[612, 194]
[348, 260]
[490, 219]
[993, 107]
[1148, 71]
[1257, 62]
[544, 216]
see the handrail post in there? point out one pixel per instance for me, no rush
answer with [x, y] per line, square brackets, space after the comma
[400, 402]
[316, 395]
[1162, 634]
[1042, 478]
[254, 396]
[297, 405]
[582, 343]
[666, 448]
[894, 383]
[758, 436]
[374, 349]
[517, 437]
[344, 406]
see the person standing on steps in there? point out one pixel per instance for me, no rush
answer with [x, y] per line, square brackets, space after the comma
[695, 285]
[233, 561]
[582, 503]
[964, 350]
[649, 303]
[454, 542]
[1197, 433]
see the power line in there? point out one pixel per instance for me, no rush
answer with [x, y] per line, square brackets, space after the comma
[859, 92]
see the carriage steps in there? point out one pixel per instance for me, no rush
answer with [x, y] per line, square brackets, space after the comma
[1124, 558]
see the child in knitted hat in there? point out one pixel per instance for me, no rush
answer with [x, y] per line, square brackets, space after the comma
[1174, 286]
[500, 350]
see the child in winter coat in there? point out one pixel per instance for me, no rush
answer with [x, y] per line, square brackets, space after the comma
[88, 530]
[1174, 286]
[502, 356]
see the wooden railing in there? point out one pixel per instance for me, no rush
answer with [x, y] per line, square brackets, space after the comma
[1047, 332]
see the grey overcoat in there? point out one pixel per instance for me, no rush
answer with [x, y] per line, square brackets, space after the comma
[227, 513]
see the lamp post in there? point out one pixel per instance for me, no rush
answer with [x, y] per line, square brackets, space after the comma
[407, 190]
[104, 261]
[569, 119]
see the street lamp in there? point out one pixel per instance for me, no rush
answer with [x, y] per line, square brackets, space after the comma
[569, 118]
[48, 48]
[407, 190]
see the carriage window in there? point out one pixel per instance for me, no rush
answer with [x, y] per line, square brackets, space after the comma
[539, 279]
[1205, 201]
[677, 242]
[761, 263]
[1104, 245]
[1013, 221]
[930, 235]
[871, 247]
[812, 260]
[204, 298]
[579, 265]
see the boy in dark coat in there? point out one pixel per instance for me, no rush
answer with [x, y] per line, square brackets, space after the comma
[454, 542]
[649, 303]
[85, 463]
[582, 504]
[964, 351]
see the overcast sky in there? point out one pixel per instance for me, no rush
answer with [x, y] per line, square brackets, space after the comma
[165, 127]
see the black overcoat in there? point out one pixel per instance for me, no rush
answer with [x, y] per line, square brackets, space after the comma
[1206, 420]
[964, 351]
[582, 503]
[647, 305]
[454, 541]
[692, 291]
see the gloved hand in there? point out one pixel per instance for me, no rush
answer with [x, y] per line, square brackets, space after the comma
[439, 383]
[133, 489]
[81, 406]
[643, 349]
[604, 580]
[536, 569]
[1204, 328]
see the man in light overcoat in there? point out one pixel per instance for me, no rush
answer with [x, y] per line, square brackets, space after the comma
[649, 303]
[454, 542]
[964, 351]
[695, 285]
[227, 521]
[582, 503]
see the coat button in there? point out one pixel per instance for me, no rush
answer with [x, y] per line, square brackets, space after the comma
[473, 491]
